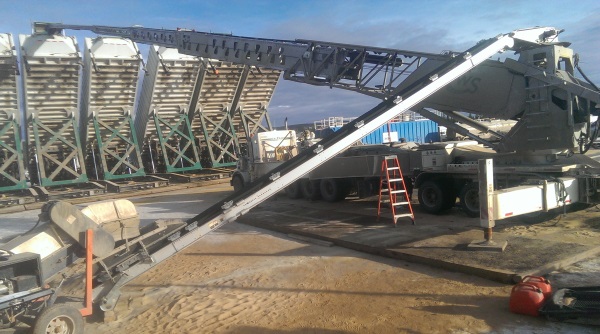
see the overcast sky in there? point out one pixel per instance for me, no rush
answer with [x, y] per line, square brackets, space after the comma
[430, 26]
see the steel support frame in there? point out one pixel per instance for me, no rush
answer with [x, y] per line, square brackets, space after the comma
[12, 169]
[221, 139]
[45, 137]
[109, 140]
[172, 155]
[252, 124]
[241, 119]
[368, 70]
[371, 71]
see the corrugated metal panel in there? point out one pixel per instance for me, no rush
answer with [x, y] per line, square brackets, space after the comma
[168, 86]
[212, 121]
[12, 166]
[255, 98]
[51, 73]
[109, 83]
[417, 131]
[51, 78]
[9, 94]
[218, 90]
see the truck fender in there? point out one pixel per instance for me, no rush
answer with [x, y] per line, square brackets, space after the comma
[239, 180]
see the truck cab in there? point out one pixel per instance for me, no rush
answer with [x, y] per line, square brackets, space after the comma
[266, 151]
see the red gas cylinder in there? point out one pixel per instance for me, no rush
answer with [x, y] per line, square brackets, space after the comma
[541, 283]
[526, 298]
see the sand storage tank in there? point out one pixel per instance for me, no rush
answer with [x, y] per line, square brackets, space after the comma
[231, 107]
[12, 168]
[250, 114]
[51, 69]
[213, 117]
[162, 122]
[110, 77]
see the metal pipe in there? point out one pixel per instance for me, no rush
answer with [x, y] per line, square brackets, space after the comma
[487, 234]
[151, 157]
[37, 164]
[459, 129]
[94, 161]
[179, 150]
[473, 123]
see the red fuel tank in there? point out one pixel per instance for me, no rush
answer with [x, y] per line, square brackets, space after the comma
[526, 298]
[541, 283]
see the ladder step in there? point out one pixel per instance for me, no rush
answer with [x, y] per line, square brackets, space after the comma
[388, 186]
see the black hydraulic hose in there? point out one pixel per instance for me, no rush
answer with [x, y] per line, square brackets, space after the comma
[585, 147]
[576, 61]
[586, 78]
[592, 139]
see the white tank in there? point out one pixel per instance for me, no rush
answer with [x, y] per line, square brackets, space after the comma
[9, 94]
[109, 83]
[51, 65]
[168, 89]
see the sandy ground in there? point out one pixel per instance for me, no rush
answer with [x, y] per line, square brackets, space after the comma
[246, 280]
[242, 279]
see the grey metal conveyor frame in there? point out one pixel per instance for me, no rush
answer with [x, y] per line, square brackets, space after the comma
[368, 70]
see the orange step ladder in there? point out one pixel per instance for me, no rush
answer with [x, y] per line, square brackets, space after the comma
[392, 184]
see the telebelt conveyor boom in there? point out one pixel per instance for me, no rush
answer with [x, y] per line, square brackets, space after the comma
[305, 61]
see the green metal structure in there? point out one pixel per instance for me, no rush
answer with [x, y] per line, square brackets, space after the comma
[177, 143]
[51, 66]
[109, 83]
[12, 168]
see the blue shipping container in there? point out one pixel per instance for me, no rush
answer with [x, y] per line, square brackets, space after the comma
[424, 131]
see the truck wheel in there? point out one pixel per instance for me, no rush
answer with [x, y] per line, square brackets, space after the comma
[293, 191]
[310, 189]
[238, 183]
[469, 199]
[331, 190]
[432, 197]
[59, 318]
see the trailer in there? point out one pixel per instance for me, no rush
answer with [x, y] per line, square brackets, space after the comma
[356, 170]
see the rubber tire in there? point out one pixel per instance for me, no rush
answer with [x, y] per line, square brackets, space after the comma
[69, 315]
[432, 198]
[238, 183]
[469, 199]
[293, 191]
[332, 190]
[310, 190]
